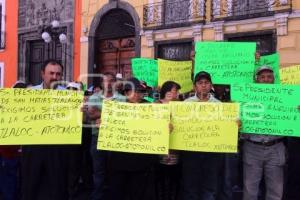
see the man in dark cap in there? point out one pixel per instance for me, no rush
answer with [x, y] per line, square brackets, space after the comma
[200, 169]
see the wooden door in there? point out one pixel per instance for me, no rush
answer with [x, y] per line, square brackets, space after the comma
[114, 55]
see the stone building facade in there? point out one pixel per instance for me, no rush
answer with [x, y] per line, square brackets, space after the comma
[169, 28]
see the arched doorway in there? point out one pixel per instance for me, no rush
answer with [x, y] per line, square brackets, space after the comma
[115, 43]
[114, 39]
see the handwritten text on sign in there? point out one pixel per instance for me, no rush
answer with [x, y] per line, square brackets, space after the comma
[290, 75]
[177, 71]
[145, 69]
[206, 127]
[135, 128]
[227, 62]
[40, 117]
[268, 108]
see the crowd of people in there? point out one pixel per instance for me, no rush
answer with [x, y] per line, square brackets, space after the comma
[269, 164]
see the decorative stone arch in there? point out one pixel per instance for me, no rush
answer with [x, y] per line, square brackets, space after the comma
[97, 21]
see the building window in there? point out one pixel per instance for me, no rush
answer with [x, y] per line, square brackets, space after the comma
[174, 50]
[265, 40]
[1, 74]
[2, 24]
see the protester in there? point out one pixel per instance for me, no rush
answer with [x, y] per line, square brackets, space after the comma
[9, 165]
[263, 156]
[108, 92]
[200, 169]
[86, 167]
[131, 175]
[44, 167]
[168, 170]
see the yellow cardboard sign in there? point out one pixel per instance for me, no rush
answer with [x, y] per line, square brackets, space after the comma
[177, 71]
[206, 127]
[290, 75]
[40, 117]
[135, 128]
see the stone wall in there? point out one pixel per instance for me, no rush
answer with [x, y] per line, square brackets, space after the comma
[38, 12]
[289, 45]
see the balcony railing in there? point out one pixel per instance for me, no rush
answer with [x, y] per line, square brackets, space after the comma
[173, 13]
[245, 9]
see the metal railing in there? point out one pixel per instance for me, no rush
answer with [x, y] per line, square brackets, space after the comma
[173, 13]
[246, 9]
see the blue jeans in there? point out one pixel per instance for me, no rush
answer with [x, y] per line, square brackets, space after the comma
[99, 170]
[8, 178]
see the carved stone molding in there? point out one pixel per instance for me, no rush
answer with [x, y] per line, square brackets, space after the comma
[197, 33]
[219, 30]
[40, 12]
[271, 3]
[283, 2]
[216, 7]
[196, 8]
[282, 23]
[229, 7]
[153, 13]
[150, 38]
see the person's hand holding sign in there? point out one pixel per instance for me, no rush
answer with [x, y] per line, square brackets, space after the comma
[98, 122]
[239, 123]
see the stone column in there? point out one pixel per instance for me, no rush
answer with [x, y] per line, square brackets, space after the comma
[197, 33]
[219, 30]
[282, 23]
[150, 38]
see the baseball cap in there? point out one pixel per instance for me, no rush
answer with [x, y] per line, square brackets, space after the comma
[202, 75]
[73, 85]
[119, 76]
[263, 68]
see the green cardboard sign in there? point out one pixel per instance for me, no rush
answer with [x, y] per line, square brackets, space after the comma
[227, 62]
[145, 69]
[269, 109]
